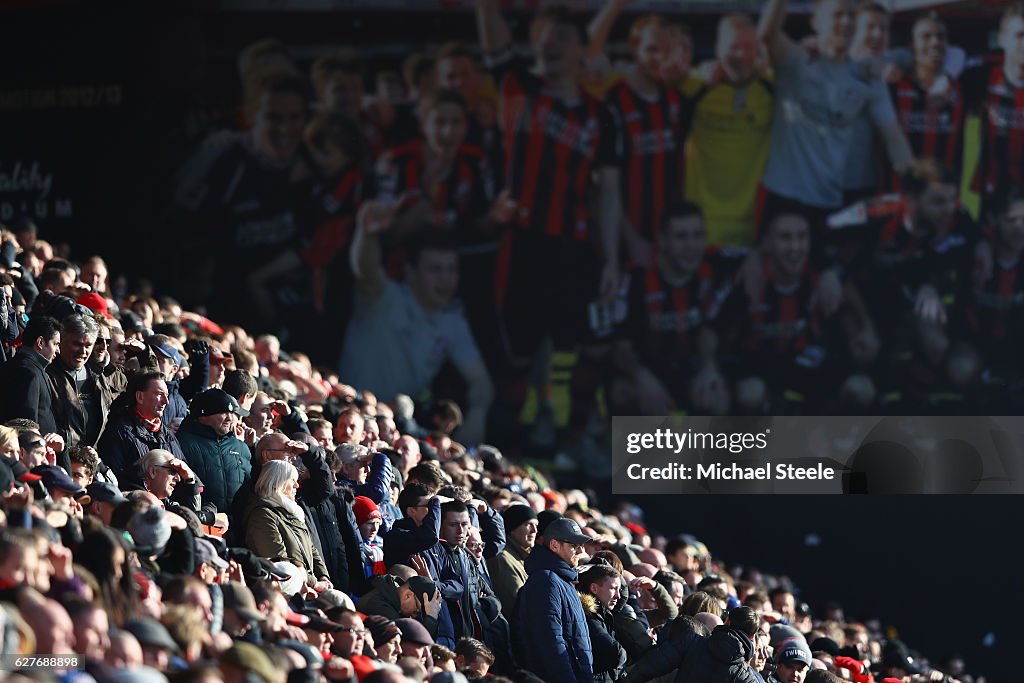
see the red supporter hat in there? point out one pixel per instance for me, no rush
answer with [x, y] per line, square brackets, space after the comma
[365, 509]
[95, 302]
[636, 528]
[550, 498]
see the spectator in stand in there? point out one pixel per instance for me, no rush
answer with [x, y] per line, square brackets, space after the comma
[81, 397]
[450, 565]
[104, 497]
[550, 619]
[211, 449]
[275, 526]
[368, 518]
[387, 638]
[724, 656]
[507, 568]
[176, 488]
[599, 593]
[26, 389]
[418, 529]
[135, 427]
[792, 661]
[366, 472]
[169, 361]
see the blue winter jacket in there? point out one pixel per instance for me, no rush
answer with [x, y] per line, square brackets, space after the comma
[551, 623]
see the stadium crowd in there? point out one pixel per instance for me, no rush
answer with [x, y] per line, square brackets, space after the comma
[485, 238]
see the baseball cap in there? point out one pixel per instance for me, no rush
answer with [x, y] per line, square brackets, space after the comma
[218, 357]
[896, 654]
[566, 530]
[55, 478]
[105, 492]
[149, 631]
[21, 472]
[95, 302]
[168, 351]
[207, 554]
[215, 402]
[250, 658]
[793, 650]
[238, 597]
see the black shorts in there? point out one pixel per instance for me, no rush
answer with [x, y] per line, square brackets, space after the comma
[545, 286]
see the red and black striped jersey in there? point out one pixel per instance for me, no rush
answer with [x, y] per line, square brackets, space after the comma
[1001, 107]
[662, 318]
[652, 135]
[552, 147]
[935, 132]
[460, 199]
[875, 242]
[336, 205]
[781, 323]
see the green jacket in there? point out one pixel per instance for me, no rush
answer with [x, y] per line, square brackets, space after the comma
[222, 463]
[276, 534]
[508, 575]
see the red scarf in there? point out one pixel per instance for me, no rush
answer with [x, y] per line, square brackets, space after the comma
[151, 424]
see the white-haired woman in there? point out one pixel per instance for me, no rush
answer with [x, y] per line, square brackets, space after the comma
[275, 526]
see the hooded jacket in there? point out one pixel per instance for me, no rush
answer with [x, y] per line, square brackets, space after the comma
[722, 658]
[609, 656]
[551, 625]
[383, 600]
[221, 462]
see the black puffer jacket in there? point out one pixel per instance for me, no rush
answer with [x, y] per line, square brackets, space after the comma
[722, 658]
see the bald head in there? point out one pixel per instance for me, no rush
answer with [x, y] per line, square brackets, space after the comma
[654, 557]
[708, 619]
[644, 569]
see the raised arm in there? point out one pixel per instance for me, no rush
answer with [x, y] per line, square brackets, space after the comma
[600, 27]
[494, 34]
[769, 30]
[365, 256]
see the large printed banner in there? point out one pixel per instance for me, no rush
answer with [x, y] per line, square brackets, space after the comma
[851, 455]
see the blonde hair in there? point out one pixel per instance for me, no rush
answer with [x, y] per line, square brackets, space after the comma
[8, 436]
